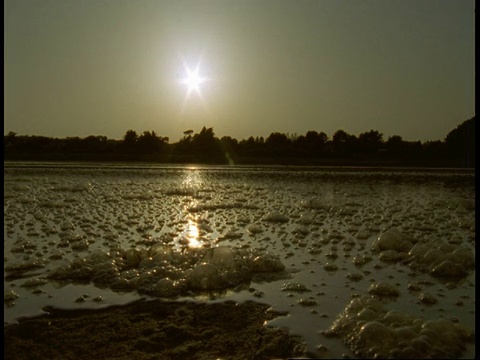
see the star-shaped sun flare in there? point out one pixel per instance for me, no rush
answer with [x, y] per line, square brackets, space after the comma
[193, 80]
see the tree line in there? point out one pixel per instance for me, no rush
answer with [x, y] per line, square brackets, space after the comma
[313, 148]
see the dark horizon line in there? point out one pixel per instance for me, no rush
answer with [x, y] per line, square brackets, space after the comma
[289, 135]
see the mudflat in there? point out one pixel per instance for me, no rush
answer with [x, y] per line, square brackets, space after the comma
[153, 330]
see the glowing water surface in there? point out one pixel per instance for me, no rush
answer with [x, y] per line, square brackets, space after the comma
[316, 221]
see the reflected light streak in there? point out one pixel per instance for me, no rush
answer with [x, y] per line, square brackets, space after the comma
[193, 235]
[192, 183]
[192, 178]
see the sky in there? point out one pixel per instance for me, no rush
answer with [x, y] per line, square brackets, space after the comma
[85, 67]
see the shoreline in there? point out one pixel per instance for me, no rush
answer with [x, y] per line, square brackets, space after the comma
[155, 165]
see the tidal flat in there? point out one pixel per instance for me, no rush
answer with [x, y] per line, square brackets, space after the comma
[312, 262]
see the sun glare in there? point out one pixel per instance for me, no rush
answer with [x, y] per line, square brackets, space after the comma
[193, 235]
[193, 79]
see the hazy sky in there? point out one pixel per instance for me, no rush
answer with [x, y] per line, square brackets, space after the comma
[85, 67]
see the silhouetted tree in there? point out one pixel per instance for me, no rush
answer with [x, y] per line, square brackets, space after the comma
[130, 140]
[94, 144]
[315, 142]
[277, 144]
[9, 141]
[395, 146]
[434, 152]
[203, 147]
[205, 140]
[252, 147]
[73, 144]
[230, 148]
[149, 143]
[187, 133]
[460, 144]
[413, 153]
[370, 142]
[458, 149]
[130, 137]
[344, 144]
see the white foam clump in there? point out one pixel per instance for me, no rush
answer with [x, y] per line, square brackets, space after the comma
[314, 203]
[465, 204]
[360, 260]
[306, 219]
[383, 289]
[393, 239]
[18, 269]
[444, 260]
[74, 187]
[255, 229]
[362, 235]
[330, 267]
[24, 199]
[216, 206]
[438, 259]
[163, 272]
[34, 282]
[391, 256]
[276, 217]
[296, 287]
[139, 196]
[167, 288]
[51, 203]
[373, 332]
[301, 230]
[307, 301]
[427, 298]
[221, 257]
[181, 191]
[206, 276]
[10, 296]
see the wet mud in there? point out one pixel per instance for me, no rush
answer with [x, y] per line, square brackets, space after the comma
[153, 330]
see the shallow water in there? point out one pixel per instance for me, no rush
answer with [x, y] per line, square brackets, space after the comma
[321, 224]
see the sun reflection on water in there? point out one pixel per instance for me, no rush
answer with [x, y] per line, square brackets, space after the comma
[192, 183]
[193, 178]
[193, 235]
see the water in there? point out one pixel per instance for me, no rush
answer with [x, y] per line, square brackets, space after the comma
[306, 218]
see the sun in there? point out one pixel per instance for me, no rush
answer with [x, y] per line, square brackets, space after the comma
[195, 74]
[193, 79]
